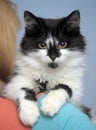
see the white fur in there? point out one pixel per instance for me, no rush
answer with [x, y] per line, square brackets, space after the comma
[51, 40]
[53, 102]
[29, 112]
[34, 67]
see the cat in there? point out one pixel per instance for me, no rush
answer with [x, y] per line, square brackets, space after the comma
[50, 58]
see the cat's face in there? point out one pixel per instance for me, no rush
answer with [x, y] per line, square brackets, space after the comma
[50, 42]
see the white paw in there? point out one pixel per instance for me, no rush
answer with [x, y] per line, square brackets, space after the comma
[29, 112]
[51, 104]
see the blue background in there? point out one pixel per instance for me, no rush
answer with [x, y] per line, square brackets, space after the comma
[61, 8]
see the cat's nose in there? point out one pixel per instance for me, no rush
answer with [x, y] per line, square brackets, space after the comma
[53, 57]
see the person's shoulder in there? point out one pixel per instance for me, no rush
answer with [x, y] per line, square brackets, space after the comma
[76, 119]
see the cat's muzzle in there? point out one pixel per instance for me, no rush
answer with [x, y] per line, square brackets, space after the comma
[53, 65]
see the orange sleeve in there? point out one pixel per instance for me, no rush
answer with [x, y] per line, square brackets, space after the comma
[9, 119]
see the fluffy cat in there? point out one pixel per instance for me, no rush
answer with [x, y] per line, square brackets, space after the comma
[51, 58]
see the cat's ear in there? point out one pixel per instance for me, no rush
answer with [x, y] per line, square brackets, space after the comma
[73, 20]
[30, 19]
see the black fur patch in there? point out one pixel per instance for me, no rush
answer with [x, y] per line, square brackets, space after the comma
[65, 87]
[8, 79]
[11, 76]
[2, 97]
[53, 52]
[43, 85]
[86, 110]
[18, 104]
[65, 29]
[30, 94]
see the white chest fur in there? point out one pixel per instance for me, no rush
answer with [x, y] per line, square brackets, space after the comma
[69, 73]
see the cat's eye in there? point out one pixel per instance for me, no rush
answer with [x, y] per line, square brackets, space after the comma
[63, 45]
[42, 45]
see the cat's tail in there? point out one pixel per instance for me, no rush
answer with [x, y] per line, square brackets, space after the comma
[90, 112]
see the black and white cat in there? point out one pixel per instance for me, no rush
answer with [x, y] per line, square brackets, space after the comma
[51, 58]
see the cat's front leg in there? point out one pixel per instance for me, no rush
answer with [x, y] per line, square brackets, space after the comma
[55, 99]
[28, 109]
[20, 89]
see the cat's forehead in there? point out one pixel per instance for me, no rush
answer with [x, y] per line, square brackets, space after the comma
[51, 40]
[51, 23]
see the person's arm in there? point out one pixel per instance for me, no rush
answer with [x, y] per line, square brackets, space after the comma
[68, 118]
[9, 119]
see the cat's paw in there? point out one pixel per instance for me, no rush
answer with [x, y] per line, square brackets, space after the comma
[29, 113]
[51, 104]
[49, 107]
